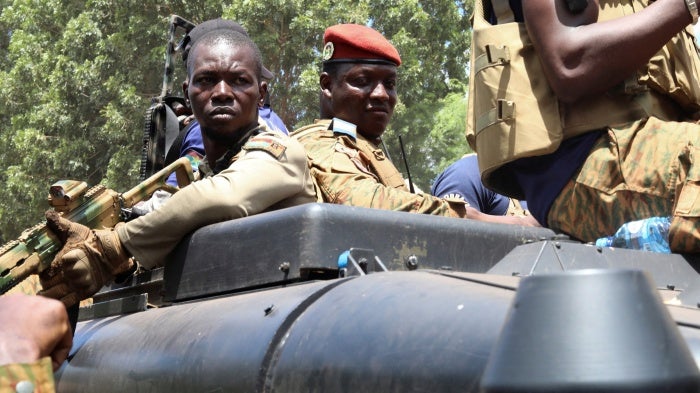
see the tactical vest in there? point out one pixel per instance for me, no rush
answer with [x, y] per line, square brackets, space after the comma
[513, 113]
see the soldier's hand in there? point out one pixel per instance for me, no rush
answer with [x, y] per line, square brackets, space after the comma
[34, 327]
[88, 260]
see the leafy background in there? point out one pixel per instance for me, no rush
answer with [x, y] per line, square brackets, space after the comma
[77, 77]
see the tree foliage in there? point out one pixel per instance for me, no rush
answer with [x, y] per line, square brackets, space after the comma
[77, 77]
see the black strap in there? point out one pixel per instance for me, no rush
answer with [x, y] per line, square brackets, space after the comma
[174, 150]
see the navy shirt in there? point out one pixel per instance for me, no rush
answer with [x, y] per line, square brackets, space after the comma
[462, 179]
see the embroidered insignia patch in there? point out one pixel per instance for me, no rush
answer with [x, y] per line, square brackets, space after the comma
[267, 144]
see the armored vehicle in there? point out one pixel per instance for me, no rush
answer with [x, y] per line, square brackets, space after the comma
[328, 298]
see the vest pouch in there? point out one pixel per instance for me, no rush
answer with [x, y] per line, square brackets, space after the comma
[513, 112]
[675, 71]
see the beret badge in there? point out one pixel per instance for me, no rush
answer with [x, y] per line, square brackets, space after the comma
[328, 51]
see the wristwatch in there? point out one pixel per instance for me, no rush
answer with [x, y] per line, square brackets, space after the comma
[693, 9]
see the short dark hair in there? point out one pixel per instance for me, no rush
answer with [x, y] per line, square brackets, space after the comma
[228, 37]
[335, 69]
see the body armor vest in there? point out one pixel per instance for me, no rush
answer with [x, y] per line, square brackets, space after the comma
[513, 113]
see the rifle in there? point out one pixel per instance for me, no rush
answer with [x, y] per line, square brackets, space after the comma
[96, 208]
[161, 124]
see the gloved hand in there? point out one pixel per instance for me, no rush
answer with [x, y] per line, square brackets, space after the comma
[88, 260]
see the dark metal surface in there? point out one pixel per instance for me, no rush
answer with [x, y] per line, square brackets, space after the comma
[592, 330]
[672, 271]
[250, 252]
[261, 323]
[391, 331]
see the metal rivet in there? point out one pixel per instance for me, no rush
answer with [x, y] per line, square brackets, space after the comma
[284, 267]
[412, 262]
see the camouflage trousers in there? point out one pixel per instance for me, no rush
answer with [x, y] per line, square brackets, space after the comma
[647, 168]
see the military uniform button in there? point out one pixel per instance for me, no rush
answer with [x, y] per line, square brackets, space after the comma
[24, 387]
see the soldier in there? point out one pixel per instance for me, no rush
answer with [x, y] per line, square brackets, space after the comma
[358, 95]
[189, 144]
[587, 109]
[246, 170]
[35, 338]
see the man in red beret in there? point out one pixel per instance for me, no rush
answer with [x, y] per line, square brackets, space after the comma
[358, 96]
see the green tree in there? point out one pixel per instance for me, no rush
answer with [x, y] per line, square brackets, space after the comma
[433, 38]
[77, 77]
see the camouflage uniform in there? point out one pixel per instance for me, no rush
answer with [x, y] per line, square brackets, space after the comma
[22, 377]
[268, 173]
[634, 172]
[350, 170]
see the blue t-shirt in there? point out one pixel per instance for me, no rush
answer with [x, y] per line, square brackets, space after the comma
[272, 121]
[462, 179]
[543, 177]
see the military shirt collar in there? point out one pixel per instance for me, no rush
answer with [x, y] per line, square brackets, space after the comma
[339, 126]
[224, 161]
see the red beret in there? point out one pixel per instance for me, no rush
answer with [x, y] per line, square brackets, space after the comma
[358, 44]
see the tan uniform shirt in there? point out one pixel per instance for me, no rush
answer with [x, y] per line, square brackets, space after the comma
[269, 173]
[350, 170]
[34, 377]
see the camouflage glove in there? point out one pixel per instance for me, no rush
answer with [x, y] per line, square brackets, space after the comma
[88, 260]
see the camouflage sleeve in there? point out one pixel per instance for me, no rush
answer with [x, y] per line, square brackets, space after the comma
[27, 377]
[347, 181]
[271, 173]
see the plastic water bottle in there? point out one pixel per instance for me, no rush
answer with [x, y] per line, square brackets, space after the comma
[650, 234]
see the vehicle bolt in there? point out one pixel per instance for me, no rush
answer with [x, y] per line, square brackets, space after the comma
[670, 287]
[269, 309]
[284, 267]
[412, 262]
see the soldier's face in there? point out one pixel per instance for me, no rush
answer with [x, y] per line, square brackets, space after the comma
[224, 90]
[365, 95]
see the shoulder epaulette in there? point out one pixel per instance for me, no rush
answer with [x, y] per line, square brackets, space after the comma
[267, 142]
[339, 126]
[317, 126]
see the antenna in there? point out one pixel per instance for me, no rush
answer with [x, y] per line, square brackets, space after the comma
[405, 163]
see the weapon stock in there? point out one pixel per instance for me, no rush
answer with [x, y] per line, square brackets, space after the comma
[97, 208]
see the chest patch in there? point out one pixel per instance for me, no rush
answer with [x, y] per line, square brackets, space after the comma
[270, 145]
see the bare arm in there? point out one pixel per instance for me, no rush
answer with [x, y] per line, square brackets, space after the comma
[582, 56]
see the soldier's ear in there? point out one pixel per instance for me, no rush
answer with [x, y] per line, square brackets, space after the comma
[185, 92]
[326, 82]
[263, 93]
